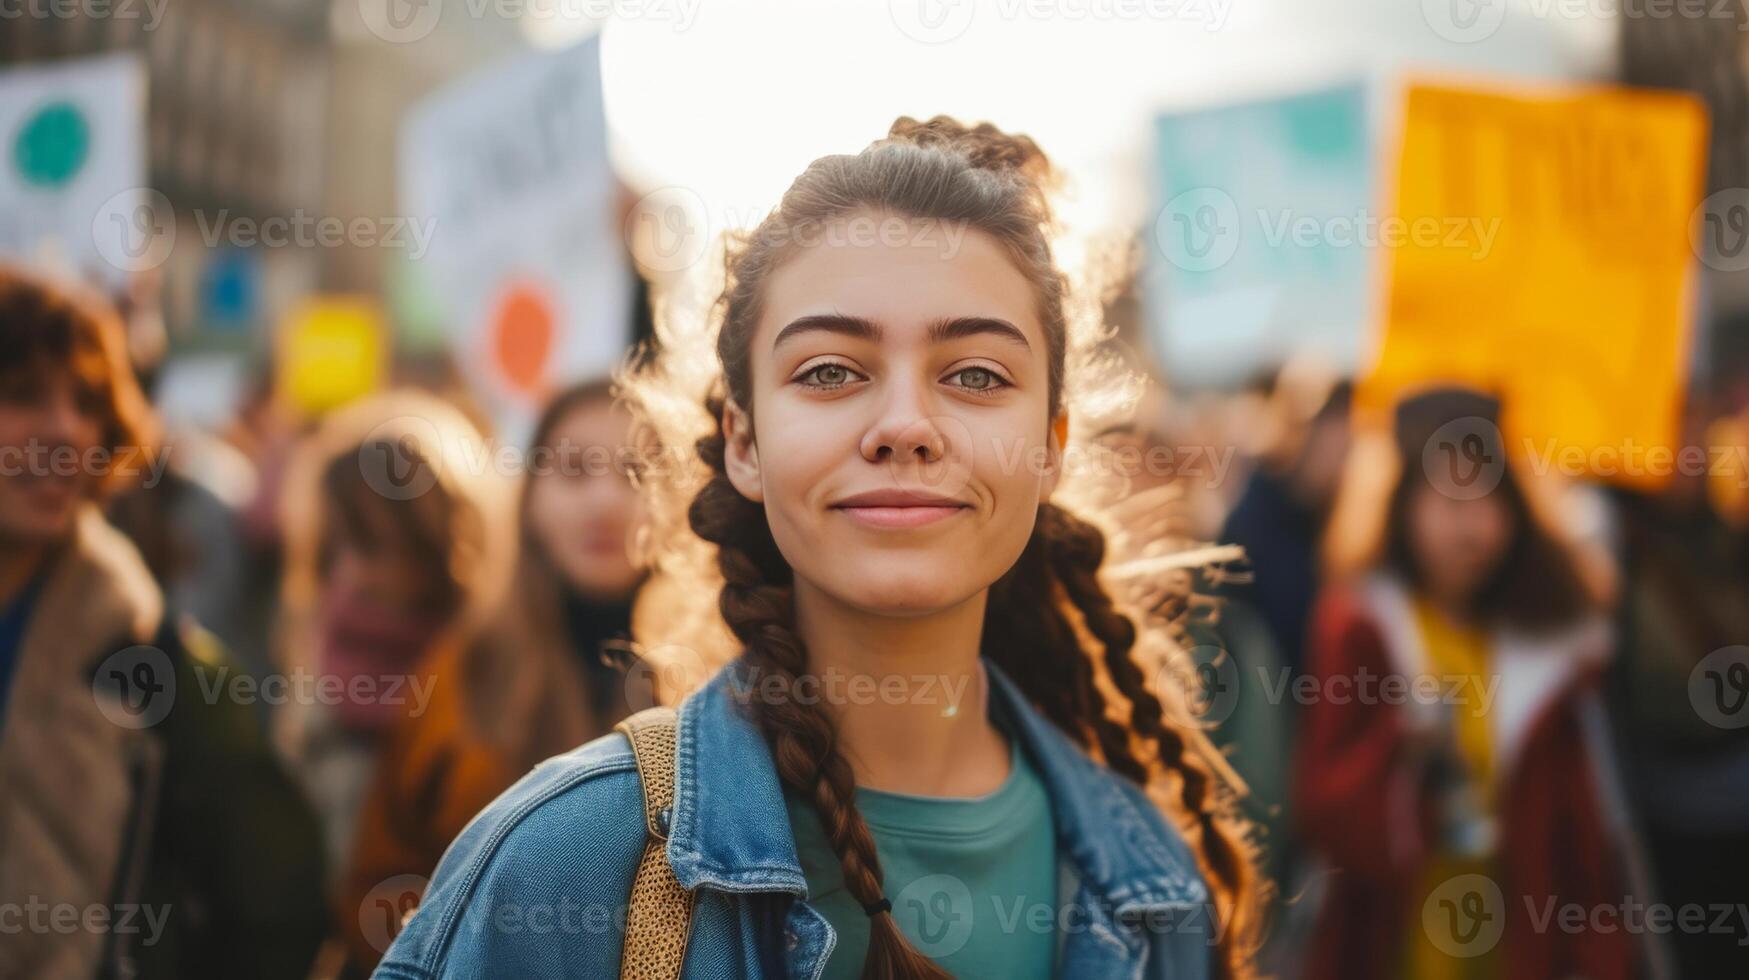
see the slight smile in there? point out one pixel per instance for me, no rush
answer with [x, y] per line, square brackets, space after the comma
[898, 508]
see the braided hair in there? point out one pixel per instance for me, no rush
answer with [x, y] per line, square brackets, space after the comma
[1050, 623]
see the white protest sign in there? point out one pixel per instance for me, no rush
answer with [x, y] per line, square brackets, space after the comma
[511, 166]
[73, 181]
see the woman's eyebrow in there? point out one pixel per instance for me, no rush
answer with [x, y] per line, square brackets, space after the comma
[940, 331]
[861, 328]
[955, 328]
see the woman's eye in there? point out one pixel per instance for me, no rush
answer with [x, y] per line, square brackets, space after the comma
[978, 379]
[828, 376]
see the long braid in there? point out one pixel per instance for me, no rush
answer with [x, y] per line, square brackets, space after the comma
[1025, 632]
[757, 603]
[993, 182]
[1076, 549]
[1019, 615]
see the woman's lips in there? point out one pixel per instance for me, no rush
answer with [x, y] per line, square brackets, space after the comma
[910, 515]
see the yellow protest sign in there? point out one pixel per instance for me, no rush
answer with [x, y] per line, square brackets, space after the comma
[1552, 264]
[331, 350]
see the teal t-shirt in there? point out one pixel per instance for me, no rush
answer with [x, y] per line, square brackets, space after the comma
[973, 880]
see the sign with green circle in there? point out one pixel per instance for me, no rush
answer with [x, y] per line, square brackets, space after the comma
[52, 145]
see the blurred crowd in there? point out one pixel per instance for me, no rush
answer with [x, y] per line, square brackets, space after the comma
[271, 712]
[255, 701]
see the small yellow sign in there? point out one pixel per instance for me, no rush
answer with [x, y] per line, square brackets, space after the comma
[332, 349]
[1554, 266]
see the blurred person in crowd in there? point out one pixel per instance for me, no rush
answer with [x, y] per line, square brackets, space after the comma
[267, 432]
[862, 527]
[154, 813]
[397, 539]
[189, 524]
[544, 675]
[1257, 638]
[1235, 655]
[188, 527]
[1479, 793]
[1677, 688]
[1280, 516]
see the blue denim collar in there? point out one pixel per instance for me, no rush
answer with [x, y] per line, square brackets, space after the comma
[730, 829]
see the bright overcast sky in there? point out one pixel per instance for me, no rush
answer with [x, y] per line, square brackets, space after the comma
[732, 99]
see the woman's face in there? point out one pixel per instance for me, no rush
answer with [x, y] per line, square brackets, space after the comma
[1457, 544]
[389, 572]
[901, 440]
[582, 505]
[48, 423]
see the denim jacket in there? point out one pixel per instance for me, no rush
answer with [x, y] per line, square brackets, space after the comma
[537, 884]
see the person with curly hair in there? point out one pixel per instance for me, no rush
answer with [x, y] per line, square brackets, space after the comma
[941, 746]
[154, 815]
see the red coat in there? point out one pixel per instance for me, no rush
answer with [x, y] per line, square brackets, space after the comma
[1359, 797]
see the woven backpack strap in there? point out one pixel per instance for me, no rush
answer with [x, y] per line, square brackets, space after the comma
[660, 915]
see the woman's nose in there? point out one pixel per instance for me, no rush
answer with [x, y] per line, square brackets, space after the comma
[925, 449]
[905, 428]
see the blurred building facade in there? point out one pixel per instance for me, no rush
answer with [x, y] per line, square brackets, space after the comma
[263, 111]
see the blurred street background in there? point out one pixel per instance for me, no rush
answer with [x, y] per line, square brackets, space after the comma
[1444, 305]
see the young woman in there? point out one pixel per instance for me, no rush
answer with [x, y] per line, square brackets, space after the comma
[539, 678]
[1456, 814]
[396, 542]
[934, 750]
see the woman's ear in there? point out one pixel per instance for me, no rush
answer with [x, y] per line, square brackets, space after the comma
[740, 453]
[1054, 443]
